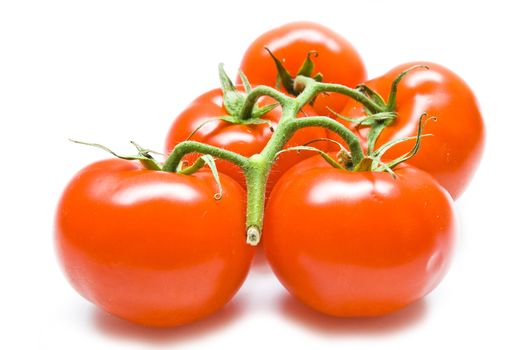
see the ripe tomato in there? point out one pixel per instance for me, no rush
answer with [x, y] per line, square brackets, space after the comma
[453, 153]
[337, 59]
[358, 243]
[152, 247]
[242, 139]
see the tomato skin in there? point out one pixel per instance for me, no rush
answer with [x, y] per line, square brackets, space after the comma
[338, 60]
[358, 244]
[454, 150]
[245, 140]
[152, 247]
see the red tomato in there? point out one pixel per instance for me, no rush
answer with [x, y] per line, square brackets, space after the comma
[358, 243]
[242, 139]
[453, 153]
[337, 59]
[152, 247]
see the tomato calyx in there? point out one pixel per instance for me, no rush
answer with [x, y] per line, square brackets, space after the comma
[234, 101]
[373, 161]
[144, 155]
[149, 162]
[285, 78]
[377, 121]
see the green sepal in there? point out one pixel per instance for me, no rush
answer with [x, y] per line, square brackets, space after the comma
[368, 120]
[306, 70]
[287, 81]
[181, 167]
[233, 100]
[210, 162]
[307, 67]
[256, 120]
[284, 78]
[372, 94]
[364, 165]
[417, 145]
[145, 151]
[258, 112]
[144, 157]
[378, 165]
[373, 134]
[198, 164]
[325, 139]
[391, 104]
[200, 126]
[344, 156]
[245, 82]
[323, 154]
[385, 147]
[318, 77]
[377, 122]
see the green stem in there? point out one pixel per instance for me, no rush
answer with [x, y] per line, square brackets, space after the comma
[253, 96]
[198, 164]
[256, 177]
[350, 138]
[257, 167]
[186, 147]
[313, 88]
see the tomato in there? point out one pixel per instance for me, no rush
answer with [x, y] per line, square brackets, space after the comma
[337, 59]
[454, 150]
[240, 138]
[152, 247]
[358, 243]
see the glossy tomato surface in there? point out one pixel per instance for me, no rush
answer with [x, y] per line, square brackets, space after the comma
[152, 247]
[245, 140]
[337, 59]
[454, 150]
[358, 244]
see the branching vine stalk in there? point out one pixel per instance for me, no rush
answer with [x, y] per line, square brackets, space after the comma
[256, 168]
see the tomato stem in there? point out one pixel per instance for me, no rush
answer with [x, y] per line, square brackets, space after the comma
[186, 147]
[256, 93]
[312, 88]
[350, 138]
[256, 174]
[257, 167]
[196, 166]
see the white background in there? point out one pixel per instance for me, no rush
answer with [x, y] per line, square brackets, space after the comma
[111, 71]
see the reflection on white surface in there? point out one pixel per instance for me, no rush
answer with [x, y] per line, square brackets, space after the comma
[137, 194]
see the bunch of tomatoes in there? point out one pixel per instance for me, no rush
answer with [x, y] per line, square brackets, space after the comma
[349, 184]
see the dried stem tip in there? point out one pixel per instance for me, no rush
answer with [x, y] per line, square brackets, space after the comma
[253, 236]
